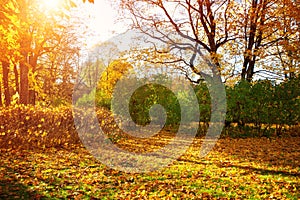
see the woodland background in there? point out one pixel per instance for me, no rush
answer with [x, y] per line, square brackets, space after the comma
[254, 48]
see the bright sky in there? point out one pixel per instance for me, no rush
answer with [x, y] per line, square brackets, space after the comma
[100, 17]
[103, 21]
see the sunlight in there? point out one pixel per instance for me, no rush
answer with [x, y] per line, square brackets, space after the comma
[51, 4]
[102, 22]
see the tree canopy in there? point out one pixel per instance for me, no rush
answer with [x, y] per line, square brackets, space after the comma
[245, 38]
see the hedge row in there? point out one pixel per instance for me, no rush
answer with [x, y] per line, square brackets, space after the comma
[264, 103]
[39, 127]
[261, 105]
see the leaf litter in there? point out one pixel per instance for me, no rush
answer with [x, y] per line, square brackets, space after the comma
[251, 168]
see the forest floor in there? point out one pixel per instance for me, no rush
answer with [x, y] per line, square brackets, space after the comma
[250, 168]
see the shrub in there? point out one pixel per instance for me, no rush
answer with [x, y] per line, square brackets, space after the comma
[35, 126]
[24, 127]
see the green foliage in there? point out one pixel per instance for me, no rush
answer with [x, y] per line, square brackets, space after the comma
[264, 105]
[147, 96]
[97, 97]
[204, 100]
[237, 99]
[86, 99]
[102, 100]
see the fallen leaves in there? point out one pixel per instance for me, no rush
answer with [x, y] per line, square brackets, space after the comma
[255, 168]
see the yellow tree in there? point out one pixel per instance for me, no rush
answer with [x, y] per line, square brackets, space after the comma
[30, 30]
[8, 47]
[287, 50]
[264, 26]
[112, 74]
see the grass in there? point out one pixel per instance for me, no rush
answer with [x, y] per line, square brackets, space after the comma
[253, 168]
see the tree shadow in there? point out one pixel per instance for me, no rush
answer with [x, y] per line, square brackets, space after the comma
[282, 153]
[12, 171]
[260, 171]
[248, 169]
[11, 188]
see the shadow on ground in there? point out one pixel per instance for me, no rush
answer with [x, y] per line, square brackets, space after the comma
[11, 188]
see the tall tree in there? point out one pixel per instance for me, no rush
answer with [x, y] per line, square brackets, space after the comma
[287, 50]
[29, 32]
[202, 27]
[7, 45]
[264, 24]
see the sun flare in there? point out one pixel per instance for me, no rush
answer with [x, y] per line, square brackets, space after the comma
[51, 4]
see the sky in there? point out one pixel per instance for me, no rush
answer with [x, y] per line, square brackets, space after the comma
[100, 17]
[103, 21]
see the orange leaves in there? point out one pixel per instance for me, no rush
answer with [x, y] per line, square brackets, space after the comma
[39, 127]
[33, 126]
[228, 172]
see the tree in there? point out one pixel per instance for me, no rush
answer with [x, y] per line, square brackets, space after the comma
[254, 20]
[30, 35]
[287, 50]
[7, 46]
[202, 27]
[264, 24]
[5, 76]
[260, 35]
[56, 68]
[111, 75]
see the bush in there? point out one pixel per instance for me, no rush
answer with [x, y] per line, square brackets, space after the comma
[147, 96]
[264, 105]
[23, 127]
[34, 126]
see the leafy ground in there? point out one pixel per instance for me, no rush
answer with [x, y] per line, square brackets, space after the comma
[252, 168]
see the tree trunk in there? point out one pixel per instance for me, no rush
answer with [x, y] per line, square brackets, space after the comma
[24, 84]
[32, 98]
[244, 69]
[254, 40]
[17, 79]
[248, 69]
[32, 93]
[5, 78]
[1, 104]
[25, 43]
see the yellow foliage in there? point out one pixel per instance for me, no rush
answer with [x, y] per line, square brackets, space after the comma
[111, 75]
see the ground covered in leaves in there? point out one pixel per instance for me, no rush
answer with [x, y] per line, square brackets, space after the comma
[251, 168]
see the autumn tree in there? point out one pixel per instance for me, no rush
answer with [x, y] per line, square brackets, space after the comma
[8, 46]
[37, 28]
[97, 60]
[55, 73]
[202, 27]
[256, 35]
[34, 39]
[97, 81]
[112, 74]
[287, 50]
[267, 36]
[261, 29]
